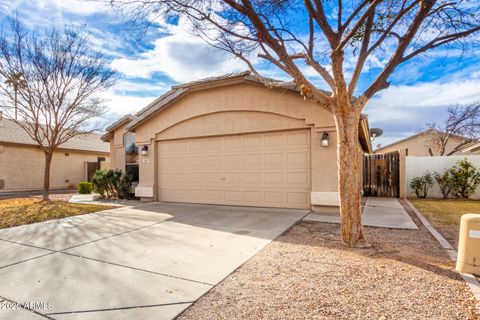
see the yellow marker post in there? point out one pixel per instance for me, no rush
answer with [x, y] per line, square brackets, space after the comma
[468, 260]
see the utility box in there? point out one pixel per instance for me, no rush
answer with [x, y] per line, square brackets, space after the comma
[468, 260]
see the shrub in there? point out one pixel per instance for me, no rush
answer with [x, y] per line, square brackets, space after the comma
[444, 181]
[111, 183]
[85, 188]
[465, 179]
[421, 185]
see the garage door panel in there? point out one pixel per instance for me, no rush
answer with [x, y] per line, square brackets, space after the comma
[297, 139]
[297, 159]
[233, 196]
[232, 161]
[232, 143]
[181, 147]
[276, 198]
[196, 163]
[274, 140]
[213, 161]
[262, 169]
[197, 195]
[297, 178]
[196, 146]
[297, 197]
[252, 161]
[274, 160]
[214, 145]
[196, 178]
[253, 197]
[214, 195]
[234, 178]
[274, 178]
[252, 178]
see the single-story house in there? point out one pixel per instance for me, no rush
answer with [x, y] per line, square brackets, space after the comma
[23, 162]
[231, 140]
[418, 145]
[472, 148]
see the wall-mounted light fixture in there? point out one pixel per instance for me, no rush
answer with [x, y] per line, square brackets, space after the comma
[144, 151]
[325, 139]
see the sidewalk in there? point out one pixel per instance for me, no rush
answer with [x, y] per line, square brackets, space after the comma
[378, 212]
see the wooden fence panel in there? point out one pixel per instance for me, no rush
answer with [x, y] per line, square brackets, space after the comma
[381, 175]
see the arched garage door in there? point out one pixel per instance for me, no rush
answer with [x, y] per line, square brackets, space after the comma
[261, 169]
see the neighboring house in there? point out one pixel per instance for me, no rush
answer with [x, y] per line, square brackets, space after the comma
[472, 148]
[230, 140]
[23, 162]
[418, 145]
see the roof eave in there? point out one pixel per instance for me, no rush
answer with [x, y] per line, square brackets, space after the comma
[364, 134]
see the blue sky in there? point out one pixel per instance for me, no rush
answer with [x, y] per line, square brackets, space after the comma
[420, 93]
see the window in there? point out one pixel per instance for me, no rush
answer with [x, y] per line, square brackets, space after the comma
[131, 148]
[131, 155]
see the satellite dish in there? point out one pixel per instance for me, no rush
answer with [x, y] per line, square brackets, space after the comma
[376, 132]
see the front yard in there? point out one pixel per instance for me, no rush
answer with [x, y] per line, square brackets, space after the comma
[308, 274]
[19, 211]
[445, 215]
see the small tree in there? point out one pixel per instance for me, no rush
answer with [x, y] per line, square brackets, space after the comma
[421, 185]
[51, 80]
[465, 179]
[444, 181]
[461, 127]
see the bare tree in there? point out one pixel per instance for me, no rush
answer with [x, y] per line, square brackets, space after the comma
[460, 128]
[51, 80]
[335, 39]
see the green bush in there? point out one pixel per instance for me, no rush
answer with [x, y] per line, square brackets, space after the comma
[444, 181]
[421, 184]
[465, 179]
[85, 188]
[111, 183]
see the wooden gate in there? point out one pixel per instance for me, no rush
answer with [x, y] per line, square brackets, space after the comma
[381, 175]
[91, 168]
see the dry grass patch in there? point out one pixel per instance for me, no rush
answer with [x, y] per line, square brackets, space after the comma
[19, 211]
[445, 215]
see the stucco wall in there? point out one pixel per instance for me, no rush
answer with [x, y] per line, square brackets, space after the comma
[417, 166]
[418, 146]
[117, 150]
[22, 167]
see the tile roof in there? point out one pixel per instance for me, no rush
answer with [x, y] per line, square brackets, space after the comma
[181, 89]
[10, 132]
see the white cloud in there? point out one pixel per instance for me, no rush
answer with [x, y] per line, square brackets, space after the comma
[125, 104]
[404, 110]
[181, 56]
[428, 94]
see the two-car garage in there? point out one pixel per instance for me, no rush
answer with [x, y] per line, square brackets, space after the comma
[258, 169]
[230, 140]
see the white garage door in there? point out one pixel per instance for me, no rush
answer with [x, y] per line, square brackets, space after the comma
[261, 169]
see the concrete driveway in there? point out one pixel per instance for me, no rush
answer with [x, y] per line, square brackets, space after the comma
[150, 261]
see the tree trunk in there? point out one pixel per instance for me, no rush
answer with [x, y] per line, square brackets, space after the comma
[46, 176]
[349, 178]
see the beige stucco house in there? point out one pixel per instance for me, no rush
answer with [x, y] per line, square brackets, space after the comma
[230, 140]
[22, 162]
[418, 145]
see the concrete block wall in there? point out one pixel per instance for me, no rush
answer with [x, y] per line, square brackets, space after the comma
[417, 166]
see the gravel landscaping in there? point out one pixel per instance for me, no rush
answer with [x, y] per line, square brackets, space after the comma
[307, 274]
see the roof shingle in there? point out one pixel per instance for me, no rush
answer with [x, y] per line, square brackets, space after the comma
[10, 132]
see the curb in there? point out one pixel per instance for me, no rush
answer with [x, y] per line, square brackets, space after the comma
[469, 279]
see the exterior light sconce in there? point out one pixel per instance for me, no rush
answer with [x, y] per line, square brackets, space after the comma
[144, 151]
[325, 139]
